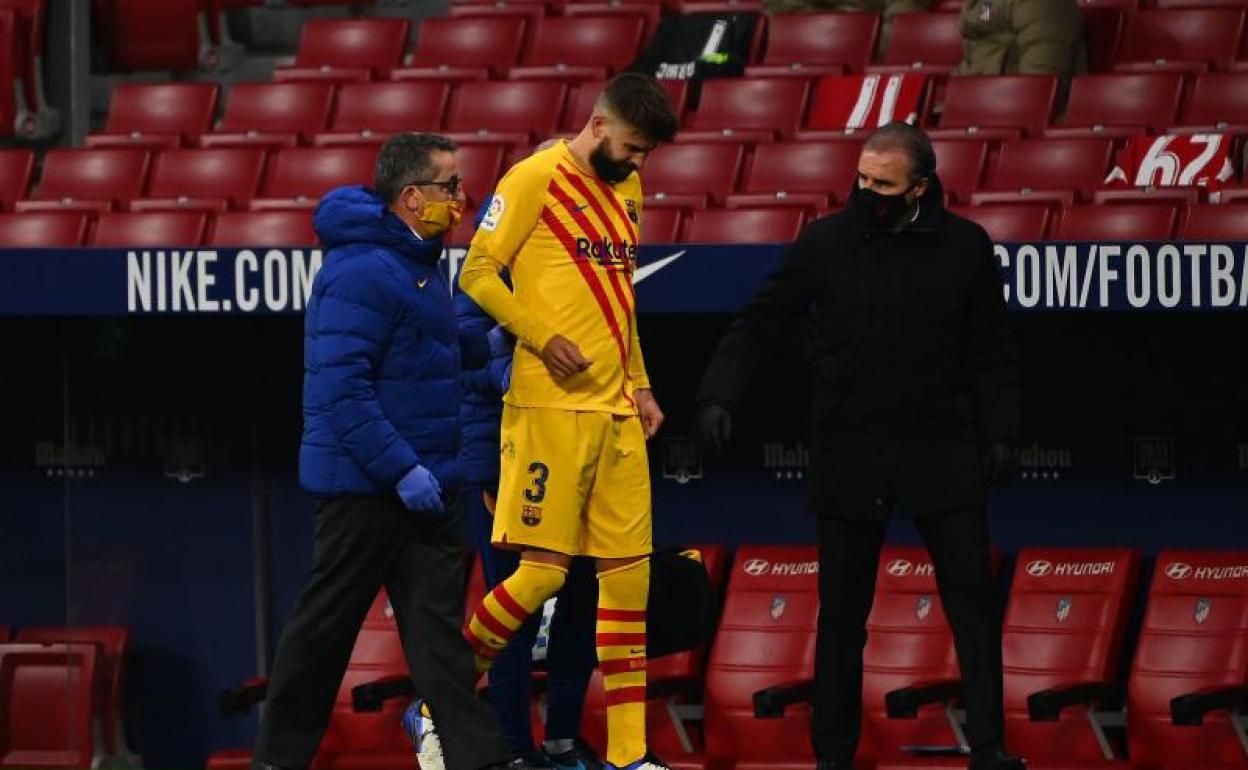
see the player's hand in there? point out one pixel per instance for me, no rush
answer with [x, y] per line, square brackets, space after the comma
[648, 410]
[563, 358]
[714, 428]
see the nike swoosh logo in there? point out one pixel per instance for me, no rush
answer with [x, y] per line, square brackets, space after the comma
[420, 282]
[646, 271]
[632, 651]
[578, 209]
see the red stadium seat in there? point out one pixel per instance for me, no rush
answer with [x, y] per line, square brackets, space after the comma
[205, 179]
[808, 174]
[927, 42]
[114, 645]
[848, 104]
[333, 48]
[16, 169]
[688, 174]
[812, 44]
[766, 638]
[650, 12]
[1046, 169]
[272, 114]
[34, 118]
[1192, 641]
[1120, 222]
[157, 114]
[11, 58]
[47, 704]
[960, 166]
[263, 228]
[1009, 222]
[464, 48]
[747, 110]
[997, 107]
[762, 225]
[358, 740]
[580, 47]
[1120, 105]
[43, 229]
[660, 226]
[1215, 223]
[371, 112]
[510, 112]
[305, 174]
[1187, 40]
[150, 228]
[1218, 103]
[1064, 626]
[581, 101]
[908, 642]
[480, 166]
[1102, 27]
[108, 175]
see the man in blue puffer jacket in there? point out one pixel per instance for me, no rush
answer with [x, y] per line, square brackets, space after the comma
[382, 354]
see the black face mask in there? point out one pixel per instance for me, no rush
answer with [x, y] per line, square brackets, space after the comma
[609, 171]
[880, 209]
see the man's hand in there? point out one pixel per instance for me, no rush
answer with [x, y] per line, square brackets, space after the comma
[714, 429]
[563, 358]
[420, 491]
[648, 410]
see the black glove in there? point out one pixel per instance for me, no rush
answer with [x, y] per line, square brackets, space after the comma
[714, 429]
[999, 462]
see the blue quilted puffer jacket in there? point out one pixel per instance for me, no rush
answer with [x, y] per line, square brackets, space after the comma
[382, 355]
[481, 410]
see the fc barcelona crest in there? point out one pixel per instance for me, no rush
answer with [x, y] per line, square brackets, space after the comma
[1203, 607]
[1063, 608]
[631, 205]
[923, 607]
[778, 606]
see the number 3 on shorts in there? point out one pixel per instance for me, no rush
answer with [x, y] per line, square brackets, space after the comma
[537, 492]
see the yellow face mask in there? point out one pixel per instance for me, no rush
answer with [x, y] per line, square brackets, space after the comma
[440, 217]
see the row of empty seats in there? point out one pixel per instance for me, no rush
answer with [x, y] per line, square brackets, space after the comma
[1155, 221]
[809, 175]
[62, 694]
[745, 109]
[742, 701]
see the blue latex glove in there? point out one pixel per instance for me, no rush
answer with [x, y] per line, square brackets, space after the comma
[501, 342]
[420, 491]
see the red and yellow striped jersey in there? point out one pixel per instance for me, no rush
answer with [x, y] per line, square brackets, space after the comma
[570, 242]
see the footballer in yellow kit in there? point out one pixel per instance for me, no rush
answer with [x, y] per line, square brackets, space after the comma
[574, 475]
[574, 478]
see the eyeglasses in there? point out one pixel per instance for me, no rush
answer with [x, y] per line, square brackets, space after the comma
[452, 185]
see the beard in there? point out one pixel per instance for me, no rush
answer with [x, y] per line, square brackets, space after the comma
[608, 170]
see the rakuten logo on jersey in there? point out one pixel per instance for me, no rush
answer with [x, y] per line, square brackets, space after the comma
[905, 568]
[1180, 571]
[1043, 568]
[759, 567]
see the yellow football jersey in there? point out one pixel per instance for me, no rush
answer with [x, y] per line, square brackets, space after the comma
[570, 242]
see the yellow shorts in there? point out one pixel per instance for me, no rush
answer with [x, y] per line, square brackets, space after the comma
[573, 482]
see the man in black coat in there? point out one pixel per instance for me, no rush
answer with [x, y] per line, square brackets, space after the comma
[916, 406]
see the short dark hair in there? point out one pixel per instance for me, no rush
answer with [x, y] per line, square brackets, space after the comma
[911, 140]
[405, 158]
[639, 100]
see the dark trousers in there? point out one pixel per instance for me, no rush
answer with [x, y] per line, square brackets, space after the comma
[570, 653]
[849, 552]
[362, 544]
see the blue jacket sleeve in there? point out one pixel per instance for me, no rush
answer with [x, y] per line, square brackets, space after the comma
[352, 327]
[474, 321]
